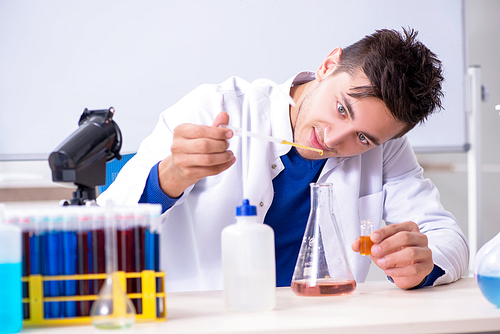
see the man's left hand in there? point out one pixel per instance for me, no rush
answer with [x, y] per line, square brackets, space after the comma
[401, 251]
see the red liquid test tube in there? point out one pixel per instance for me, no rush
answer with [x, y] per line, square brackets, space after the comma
[82, 237]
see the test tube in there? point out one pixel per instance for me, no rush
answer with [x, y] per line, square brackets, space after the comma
[34, 242]
[97, 250]
[29, 218]
[41, 226]
[52, 258]
[70, 258]
[153, 252]
[41, 222]
[82, 239]
[125, 242]
[139, 231]
[153, 212]
[366, 229]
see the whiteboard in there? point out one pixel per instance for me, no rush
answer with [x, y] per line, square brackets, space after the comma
[59, 57]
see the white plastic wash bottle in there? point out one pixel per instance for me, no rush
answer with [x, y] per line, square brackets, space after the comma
[248, 263]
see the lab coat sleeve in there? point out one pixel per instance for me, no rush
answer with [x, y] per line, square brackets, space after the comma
[198, 107]
[411, 197]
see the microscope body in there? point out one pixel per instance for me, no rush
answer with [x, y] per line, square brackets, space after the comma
[81, 158]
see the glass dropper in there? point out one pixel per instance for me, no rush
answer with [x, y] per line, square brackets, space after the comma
[240, 132]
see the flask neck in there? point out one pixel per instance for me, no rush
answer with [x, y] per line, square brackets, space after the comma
[321, 194]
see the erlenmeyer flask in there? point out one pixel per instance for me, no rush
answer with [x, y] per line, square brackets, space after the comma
[322, 268]
[113, 309]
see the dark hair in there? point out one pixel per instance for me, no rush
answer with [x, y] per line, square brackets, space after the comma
[402, 71]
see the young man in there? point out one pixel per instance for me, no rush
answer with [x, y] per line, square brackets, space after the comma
[356, 107]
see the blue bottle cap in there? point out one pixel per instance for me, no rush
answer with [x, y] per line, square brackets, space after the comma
[246, 209]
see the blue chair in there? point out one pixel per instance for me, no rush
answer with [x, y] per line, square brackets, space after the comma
[113, 167]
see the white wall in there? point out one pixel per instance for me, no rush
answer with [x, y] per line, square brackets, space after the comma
[484, 50]
[141, 57]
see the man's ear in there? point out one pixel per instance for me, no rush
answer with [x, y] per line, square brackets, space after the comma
[329, 64]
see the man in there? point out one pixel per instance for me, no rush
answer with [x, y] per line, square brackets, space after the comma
[356, 107]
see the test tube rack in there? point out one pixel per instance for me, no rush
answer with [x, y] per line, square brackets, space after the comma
[151, 309]
[64, 260]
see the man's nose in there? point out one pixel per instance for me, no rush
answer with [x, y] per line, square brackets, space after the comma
[335, 137]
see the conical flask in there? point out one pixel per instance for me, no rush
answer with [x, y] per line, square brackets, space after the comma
[322, 267]
[113, 309]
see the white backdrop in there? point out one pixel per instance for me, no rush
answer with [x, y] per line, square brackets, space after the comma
[59, 57]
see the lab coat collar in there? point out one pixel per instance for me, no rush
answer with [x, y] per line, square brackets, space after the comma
[280, 115]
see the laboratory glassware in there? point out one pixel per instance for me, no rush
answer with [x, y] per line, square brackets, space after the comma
[113, 309]
[322, 268]
[15, 217]
[52, 265]
[487, 270]
[243, 133]
[70, 257]
[365, 243]
[153, 250]
[248, 262]
[11, 296]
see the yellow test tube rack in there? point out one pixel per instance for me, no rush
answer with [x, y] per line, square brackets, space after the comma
[148, 295]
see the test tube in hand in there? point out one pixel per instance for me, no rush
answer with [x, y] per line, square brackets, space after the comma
[365, 243]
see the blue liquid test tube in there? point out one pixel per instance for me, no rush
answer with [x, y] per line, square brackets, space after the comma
[153, 250]
[33, 242]
[50, 260]
[35, 247]
[150, 238]
[70, 259]
[39, 260]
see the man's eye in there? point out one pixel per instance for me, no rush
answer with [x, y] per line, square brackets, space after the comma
[341, 109]
[363, 139]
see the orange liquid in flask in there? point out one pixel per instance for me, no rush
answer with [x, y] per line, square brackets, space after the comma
[323, 287]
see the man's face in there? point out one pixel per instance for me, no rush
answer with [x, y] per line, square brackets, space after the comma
[342, 126]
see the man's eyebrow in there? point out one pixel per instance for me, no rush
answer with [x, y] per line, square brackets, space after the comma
[347, 105]
[350, 110]
[374, 140]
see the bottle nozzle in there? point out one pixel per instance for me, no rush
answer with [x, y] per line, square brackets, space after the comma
[246, 209]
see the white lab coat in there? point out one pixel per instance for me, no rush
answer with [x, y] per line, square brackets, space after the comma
[383, 184]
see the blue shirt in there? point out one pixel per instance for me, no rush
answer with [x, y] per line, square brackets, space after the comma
[289, 211]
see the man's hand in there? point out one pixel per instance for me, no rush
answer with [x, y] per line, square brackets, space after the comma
[401, 251]
[197, 151]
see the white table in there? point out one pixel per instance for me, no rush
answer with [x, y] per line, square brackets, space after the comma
[374, 307]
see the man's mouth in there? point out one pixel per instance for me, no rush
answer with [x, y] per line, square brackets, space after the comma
[315, 142]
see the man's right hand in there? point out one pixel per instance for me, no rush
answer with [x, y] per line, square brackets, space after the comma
[197, 151]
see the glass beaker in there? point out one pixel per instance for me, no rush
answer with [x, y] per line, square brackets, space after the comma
[322, 267]
[488, 270]
[113, 309]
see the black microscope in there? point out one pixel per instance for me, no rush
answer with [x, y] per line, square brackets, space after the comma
[81, 158]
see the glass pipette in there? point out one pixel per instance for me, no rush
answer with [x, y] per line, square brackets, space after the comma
[240, 132]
